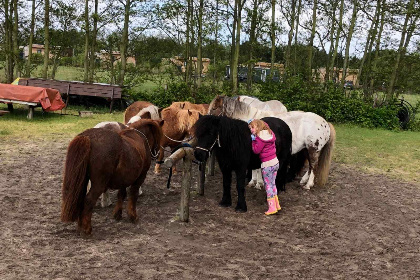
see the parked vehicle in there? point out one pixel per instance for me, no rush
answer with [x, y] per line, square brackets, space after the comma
[348, 85]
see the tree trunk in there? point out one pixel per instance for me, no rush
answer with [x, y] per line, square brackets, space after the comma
[188, 67]
[31, 40]
[290, 35]
[124, 41]
[327, 70]
[337, 39]
[405, 39]
[199, 44]
[368, 43]
[15, 39]
[311, 40]
[273, 36]
[216, 42]
[349, 36]
[237, 45]
[93, 45]
[8, 42]
[378, 45]
[86, 62]
[232, 49]
[296, 36]
[46, 39]
[251, 43]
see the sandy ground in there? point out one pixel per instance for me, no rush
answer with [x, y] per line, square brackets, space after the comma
[360, 226]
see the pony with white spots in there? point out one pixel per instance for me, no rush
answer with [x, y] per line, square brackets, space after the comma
[309, 131]
[142, 109]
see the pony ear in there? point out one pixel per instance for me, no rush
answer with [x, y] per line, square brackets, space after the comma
[160, 110]
[189, 112]
[160, 122]
[199, 115]
[183, 105]
[238, 98]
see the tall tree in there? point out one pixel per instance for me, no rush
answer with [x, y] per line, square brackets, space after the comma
[124, 40]
[235, 61]
[15, 37]
[31, 41]
[292, 15]
[87, 47]
[188, 44]
[369, 42]
[46, 39]
[332, 30]
[337, 39]
[200, 43]
[273, 37]
[378, 45]
[92, 63]
[8, 40]
[296, 36]
[406, 34]
[311, 39]
[254, 17]
[348, 41]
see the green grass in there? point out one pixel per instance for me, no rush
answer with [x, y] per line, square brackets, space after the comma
[396, 154]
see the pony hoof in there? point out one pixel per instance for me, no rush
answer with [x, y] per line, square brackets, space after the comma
[259, 186]
[240, 210]
[305, 187]
[251, 184]
[118, 216]
[134, 220]
[225, 204]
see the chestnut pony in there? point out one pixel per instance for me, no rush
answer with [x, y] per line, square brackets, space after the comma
[110, 160]
[185, 105]
[176, 128]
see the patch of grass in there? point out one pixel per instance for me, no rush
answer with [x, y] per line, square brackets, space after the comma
[51, 124]
[396, 154]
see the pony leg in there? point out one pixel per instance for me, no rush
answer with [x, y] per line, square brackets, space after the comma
[240, 187]
[85, 219]
[159, 159]
[313, 164]
[132, 200]
[253, 181]
[105, 200]
[227, 180]
[260, 182]
[122, 194]
[305, 178]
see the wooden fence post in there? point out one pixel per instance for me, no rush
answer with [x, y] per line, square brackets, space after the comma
[184, 211]
[201, 178]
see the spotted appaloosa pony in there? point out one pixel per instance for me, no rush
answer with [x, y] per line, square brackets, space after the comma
[310, 132]
[142, 109]
[177, 127]
[111, 161]
[231, 141]
[185, 105]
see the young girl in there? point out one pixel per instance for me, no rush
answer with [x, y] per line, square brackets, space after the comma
[264, 144]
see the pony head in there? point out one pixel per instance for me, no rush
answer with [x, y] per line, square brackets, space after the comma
[206, 131]
[216, 106]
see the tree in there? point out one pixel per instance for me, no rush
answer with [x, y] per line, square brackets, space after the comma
[200, 43]
[273, 37]
[31, 41]
[46, 39]
[348, 41]
[311, 40]
[87, 47]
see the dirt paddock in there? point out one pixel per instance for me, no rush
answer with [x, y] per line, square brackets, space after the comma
[360, 226]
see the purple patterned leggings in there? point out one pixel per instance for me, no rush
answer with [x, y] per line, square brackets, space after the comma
[269, 175]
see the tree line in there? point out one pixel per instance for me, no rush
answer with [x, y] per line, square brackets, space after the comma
[379, 38]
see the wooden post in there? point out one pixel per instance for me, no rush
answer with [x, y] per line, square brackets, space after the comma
[67, 98]
[112, 101]
[211, 163]
[184, 211]
[10, 107]
[31, 112]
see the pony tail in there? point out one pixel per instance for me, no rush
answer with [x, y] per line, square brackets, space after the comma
[324, 161]
[75, 178]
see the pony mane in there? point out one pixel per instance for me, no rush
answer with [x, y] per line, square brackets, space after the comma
[234, 134]
[152, 109]
[233, 105]
[154, 127]
[185, 120]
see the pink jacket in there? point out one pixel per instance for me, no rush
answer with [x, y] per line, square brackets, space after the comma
[265, 148]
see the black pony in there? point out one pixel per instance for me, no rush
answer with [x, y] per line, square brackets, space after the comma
[231, 141]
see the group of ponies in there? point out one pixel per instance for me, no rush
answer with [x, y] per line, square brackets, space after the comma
[303, 136]
[115, 156]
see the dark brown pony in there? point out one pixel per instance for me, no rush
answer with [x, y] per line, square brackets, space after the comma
[177, 127]
[185, 105]
[143, 109]
[110, 160]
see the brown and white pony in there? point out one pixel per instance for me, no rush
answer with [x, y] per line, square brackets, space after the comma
[109, 160]
[185, 105]
[176, 128]
[142, 109]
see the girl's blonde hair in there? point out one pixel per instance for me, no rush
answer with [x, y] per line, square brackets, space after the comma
[260, 125]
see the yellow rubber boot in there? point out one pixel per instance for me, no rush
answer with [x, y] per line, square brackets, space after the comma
[277, 203]
[272, 209]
